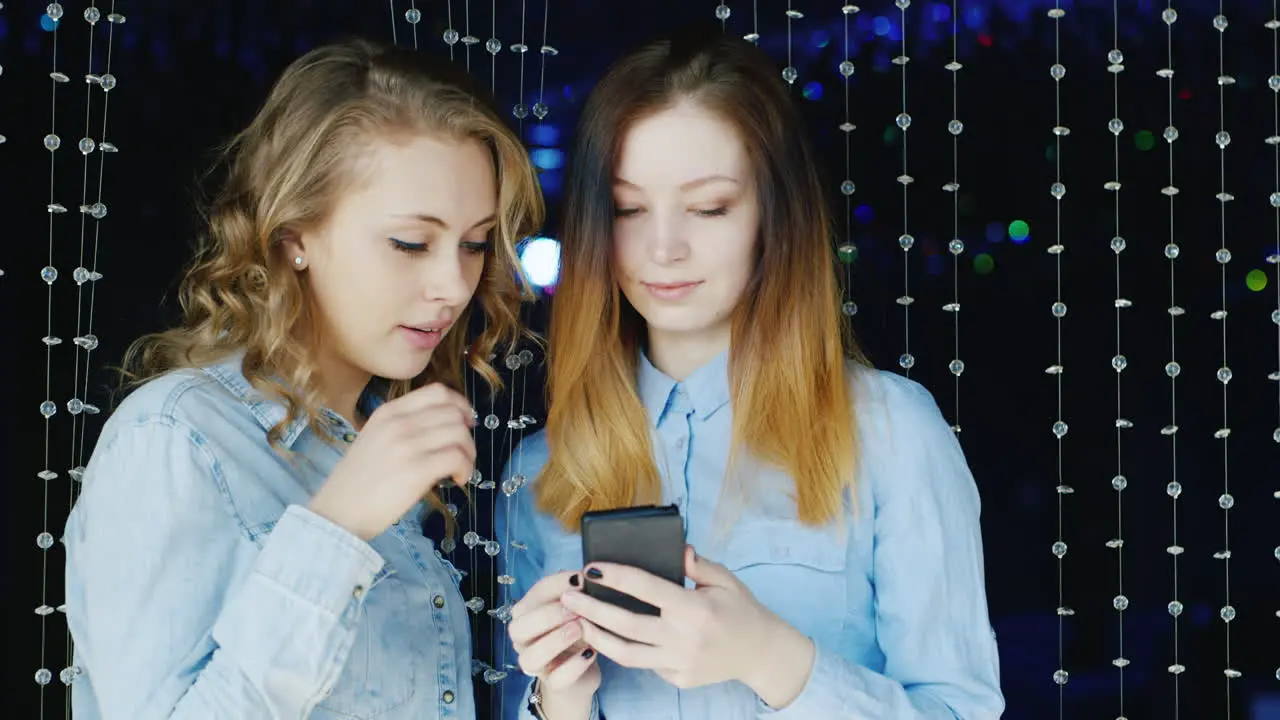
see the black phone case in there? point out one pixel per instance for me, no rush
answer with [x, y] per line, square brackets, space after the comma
[648, 537]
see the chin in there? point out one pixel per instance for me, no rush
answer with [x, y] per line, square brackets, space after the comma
[406, 368]
[679, 323]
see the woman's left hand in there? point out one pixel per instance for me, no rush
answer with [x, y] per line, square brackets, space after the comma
[713, 633]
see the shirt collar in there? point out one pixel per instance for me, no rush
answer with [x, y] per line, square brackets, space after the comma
[269, 411]
[706, 390]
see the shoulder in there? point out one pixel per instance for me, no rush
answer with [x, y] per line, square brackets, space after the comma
[905, 442]
[885, 400]
[190, 401]
[528, 457]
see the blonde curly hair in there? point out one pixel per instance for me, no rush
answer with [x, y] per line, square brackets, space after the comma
[284, 175]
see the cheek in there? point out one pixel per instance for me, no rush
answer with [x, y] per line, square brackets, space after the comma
[628, 254]
[473, 267]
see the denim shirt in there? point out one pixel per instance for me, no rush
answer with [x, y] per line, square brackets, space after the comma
[199, 586]
[893, 598]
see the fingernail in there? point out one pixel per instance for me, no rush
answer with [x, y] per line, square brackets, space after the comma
[588, 654]
[594, 574]
[574, 580]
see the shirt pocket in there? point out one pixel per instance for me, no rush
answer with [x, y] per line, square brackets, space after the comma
[379, 672]
[796, 571]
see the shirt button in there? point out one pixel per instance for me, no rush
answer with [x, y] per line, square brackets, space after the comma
[438, 601]
[349, 437]
[447, 696]
[358, 592]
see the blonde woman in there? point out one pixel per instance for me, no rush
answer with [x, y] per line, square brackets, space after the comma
[696, 359]
[248, 541]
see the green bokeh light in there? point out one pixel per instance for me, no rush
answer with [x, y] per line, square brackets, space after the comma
[1019, 230]
[1144, 140]
[984, 264]
[1256, 280]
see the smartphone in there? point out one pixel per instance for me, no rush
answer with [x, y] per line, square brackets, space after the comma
[647, 537]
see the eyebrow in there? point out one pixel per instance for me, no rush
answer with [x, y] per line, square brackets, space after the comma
[699, 182]
[433, 220]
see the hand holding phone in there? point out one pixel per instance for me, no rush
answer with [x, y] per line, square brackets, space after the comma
[648, 537]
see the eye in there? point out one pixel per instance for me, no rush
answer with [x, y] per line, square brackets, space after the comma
[625, 212]
[406, 247]
[475, 248]
[716, 212]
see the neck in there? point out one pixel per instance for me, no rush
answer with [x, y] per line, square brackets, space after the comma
[679, 354]
[341, 385]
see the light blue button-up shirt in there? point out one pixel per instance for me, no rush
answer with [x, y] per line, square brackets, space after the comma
[893, 598]
[200, 587]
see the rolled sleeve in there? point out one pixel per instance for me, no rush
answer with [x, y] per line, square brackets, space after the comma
[176, 613]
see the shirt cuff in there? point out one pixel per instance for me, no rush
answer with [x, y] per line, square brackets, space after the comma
[823, 693]
[318, 561]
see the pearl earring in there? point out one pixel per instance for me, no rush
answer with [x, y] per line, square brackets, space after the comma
[297, 260]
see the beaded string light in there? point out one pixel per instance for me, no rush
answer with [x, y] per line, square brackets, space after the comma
[413, 16]
[1225, 501]
[85, 340]
[48, 408]
[847, 251]
[956, 246]
[789, 73]
[1115, 66]
[450, 35]
[1172, 369]
[1273, 83]
[518, 420]
[467, 38]
[1059, 310]
[722, 14]
[493, 45]
[392, 4]
[754, 35]
[905, 240]
[520, 110]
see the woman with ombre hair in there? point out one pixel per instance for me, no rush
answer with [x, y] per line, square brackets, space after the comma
[698, 358]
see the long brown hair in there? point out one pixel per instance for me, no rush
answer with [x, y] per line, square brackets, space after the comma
[284, 174]
[790, 387]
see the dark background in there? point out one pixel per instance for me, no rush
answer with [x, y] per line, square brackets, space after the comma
[189, 74]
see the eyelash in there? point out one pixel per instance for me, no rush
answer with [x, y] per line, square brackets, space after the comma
[631, 212]
[473, 248]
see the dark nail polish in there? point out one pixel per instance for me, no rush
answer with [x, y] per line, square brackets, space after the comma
[574, 580]
[594, 574]
[588, 654]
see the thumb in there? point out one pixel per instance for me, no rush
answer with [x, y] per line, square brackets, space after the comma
[704, 572]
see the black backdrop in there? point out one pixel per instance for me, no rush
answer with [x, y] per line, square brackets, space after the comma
[189, 74]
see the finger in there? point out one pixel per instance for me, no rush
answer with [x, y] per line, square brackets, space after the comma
[432, 439]
[633, 626]
[428, 396]
[547, 590]
[637, 583]
[623, 651]
[569, 670]
[538, 622]
[538, 656]
[449, 463]
[707, 573]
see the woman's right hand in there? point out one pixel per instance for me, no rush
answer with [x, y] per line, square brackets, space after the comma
[408, 446]
[548, 643]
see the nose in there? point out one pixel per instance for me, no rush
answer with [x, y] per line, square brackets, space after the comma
[446, 279]
[667, 242]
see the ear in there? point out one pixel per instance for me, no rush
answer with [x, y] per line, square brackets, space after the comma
[294, 249]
